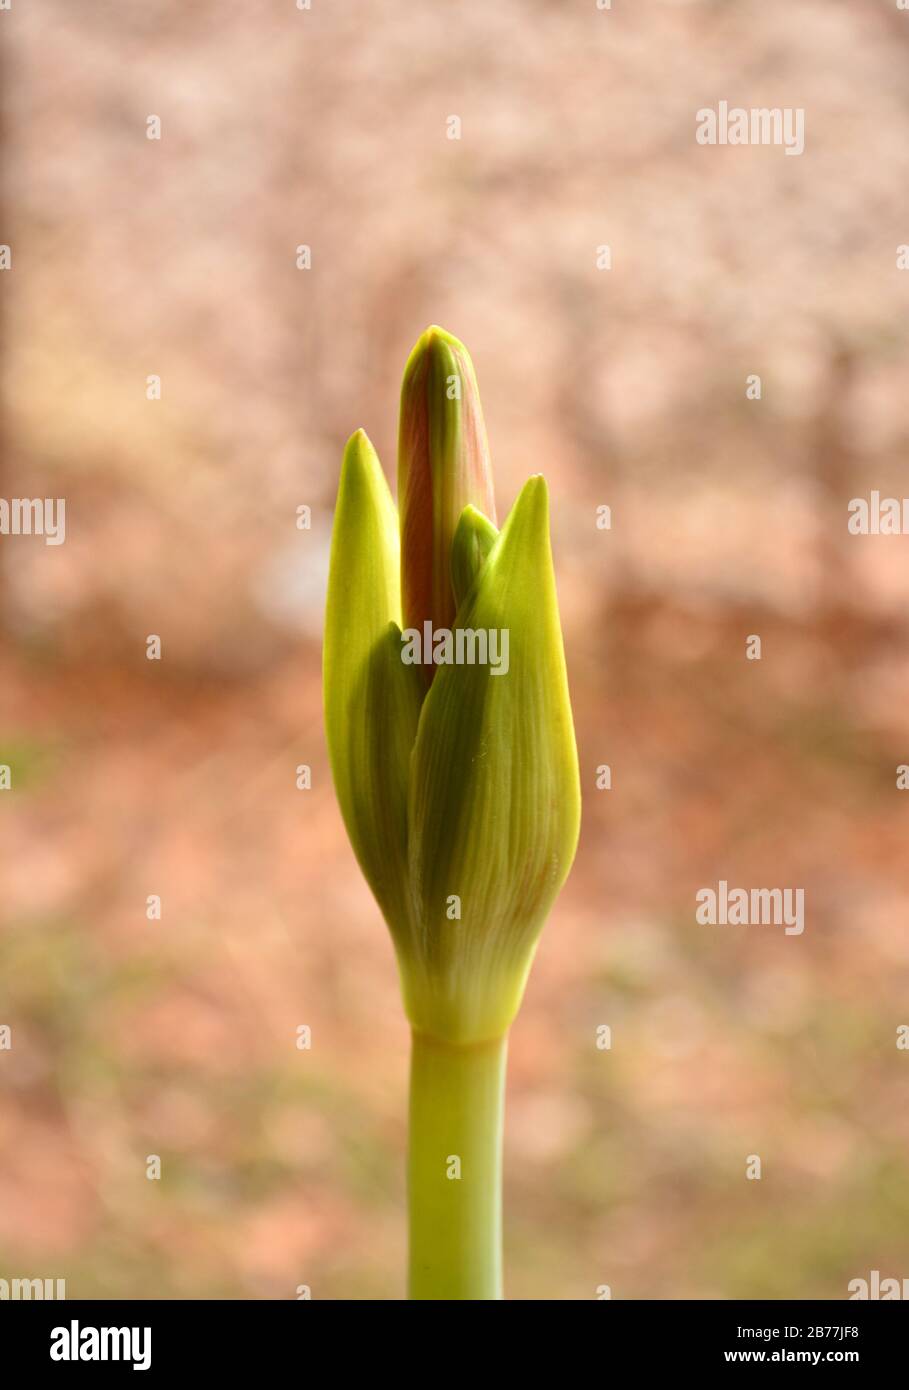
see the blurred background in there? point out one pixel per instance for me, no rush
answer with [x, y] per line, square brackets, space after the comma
[177, 257]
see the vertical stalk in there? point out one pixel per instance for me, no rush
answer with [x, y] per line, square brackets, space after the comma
[455, 1168]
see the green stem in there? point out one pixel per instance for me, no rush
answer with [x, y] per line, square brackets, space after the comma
[455, 1168]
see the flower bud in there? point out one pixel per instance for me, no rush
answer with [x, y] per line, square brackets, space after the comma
[461, 797]
[443, 464]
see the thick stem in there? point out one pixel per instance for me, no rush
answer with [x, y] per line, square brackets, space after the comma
[455, 1168]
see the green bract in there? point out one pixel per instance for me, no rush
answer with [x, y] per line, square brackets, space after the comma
[458, 782]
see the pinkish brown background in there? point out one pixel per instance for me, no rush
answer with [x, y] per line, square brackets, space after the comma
[177, 258]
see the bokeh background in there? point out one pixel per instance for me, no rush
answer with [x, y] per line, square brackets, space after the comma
[626, 387]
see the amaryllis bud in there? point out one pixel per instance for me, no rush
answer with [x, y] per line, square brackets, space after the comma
[461, 797]
[443, 464]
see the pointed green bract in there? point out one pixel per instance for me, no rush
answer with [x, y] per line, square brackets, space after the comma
[494, 805]
[372, 700]
[474, 537]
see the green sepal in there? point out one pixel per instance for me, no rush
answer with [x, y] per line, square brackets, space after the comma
[372, 699]
[494, 806]
[474, 537]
